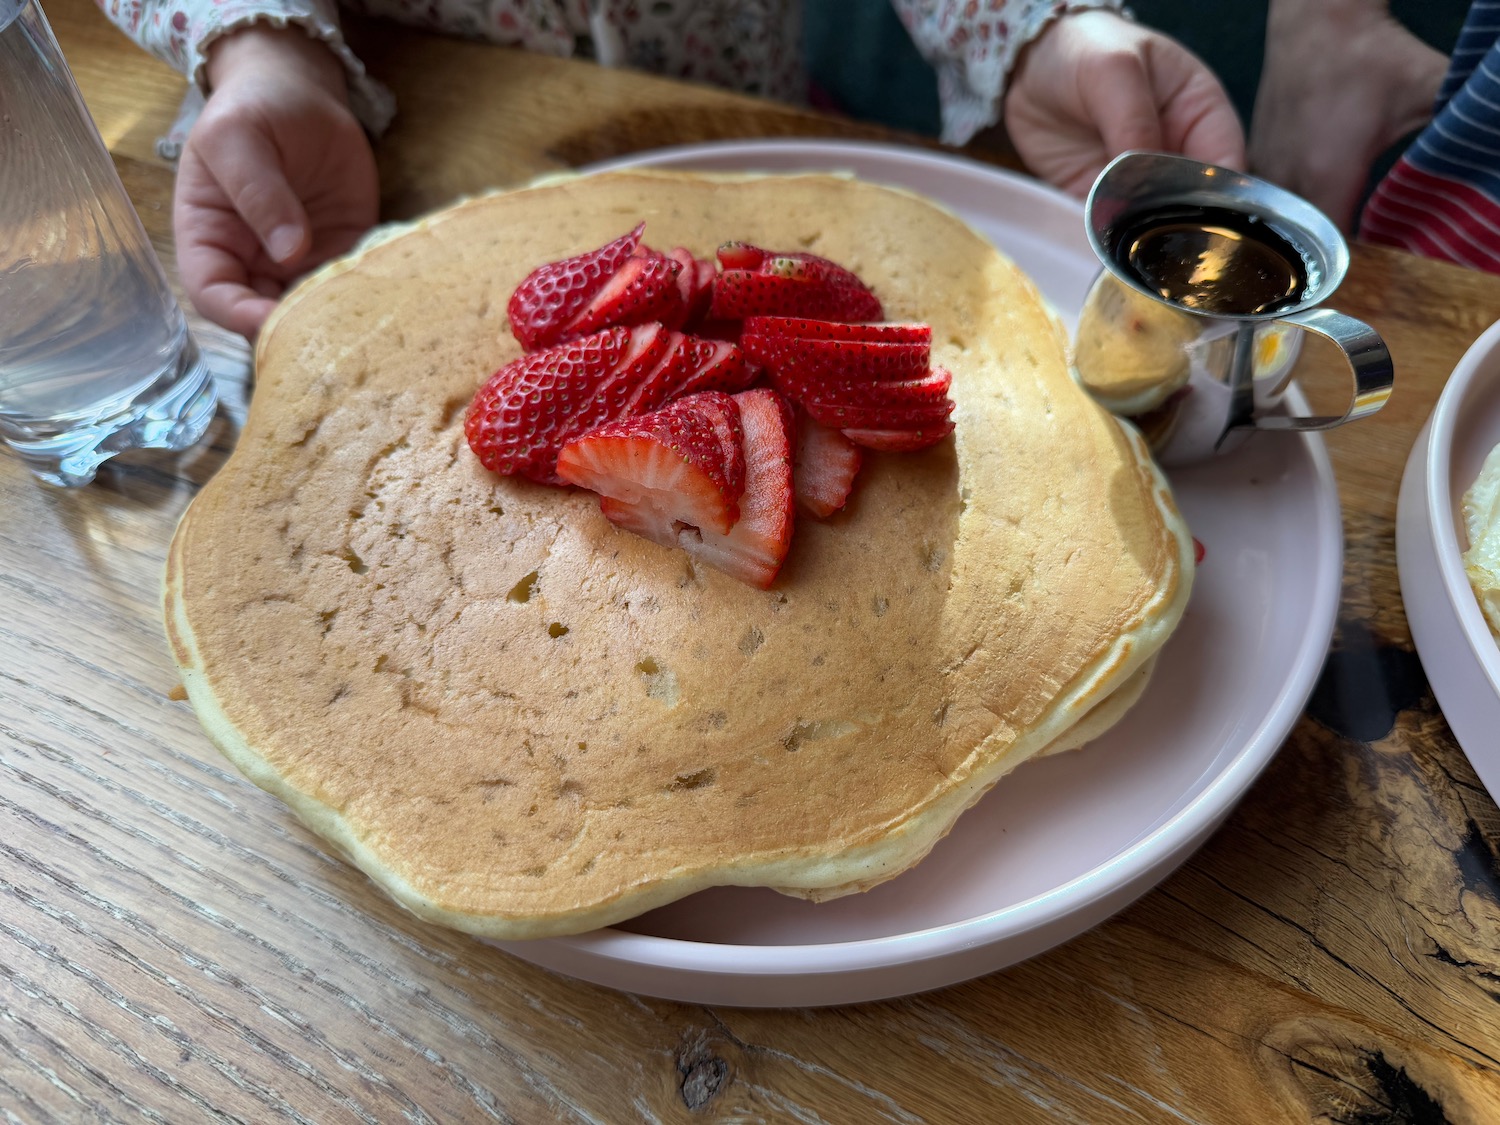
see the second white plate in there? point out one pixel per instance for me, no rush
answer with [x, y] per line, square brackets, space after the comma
[1458, 653]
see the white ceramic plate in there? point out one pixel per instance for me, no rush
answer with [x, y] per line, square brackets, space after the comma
[1458, 653]
[1064, 842]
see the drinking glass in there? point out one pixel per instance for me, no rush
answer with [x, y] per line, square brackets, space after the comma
[95, 354]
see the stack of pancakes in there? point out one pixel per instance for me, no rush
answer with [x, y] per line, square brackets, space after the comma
[522, 721]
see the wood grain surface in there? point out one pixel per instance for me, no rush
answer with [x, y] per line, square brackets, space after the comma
[174, 947]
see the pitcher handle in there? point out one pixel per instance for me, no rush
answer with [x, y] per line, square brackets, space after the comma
[1369, 362]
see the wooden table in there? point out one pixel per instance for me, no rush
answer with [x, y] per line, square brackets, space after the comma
[175, 947]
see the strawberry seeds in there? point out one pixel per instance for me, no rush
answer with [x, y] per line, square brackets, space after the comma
[645, 380]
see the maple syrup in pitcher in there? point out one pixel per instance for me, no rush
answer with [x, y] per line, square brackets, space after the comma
[1214, 260]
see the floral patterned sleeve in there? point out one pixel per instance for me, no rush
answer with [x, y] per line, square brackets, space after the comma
[179, 33]
[749, 45]
[973, 44]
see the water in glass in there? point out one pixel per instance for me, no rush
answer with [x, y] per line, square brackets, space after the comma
[95, 355]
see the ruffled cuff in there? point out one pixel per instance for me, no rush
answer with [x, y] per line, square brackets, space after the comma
[372, 104]
[973, 51]
[181, 31]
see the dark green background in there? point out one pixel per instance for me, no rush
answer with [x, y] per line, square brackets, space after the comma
[861, 57]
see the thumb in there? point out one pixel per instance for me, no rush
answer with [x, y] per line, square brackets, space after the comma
[247, 166]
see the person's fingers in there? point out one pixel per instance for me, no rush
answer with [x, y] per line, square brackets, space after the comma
[1163, 99]
[1200, 121]
[1116, 94]
[221, 291]
[215, 254]
[247, 167]
[267, 286]
[239, 309]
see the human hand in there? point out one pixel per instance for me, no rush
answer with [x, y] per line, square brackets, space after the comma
[276, 176]
[1342, 82]
[1094, 85]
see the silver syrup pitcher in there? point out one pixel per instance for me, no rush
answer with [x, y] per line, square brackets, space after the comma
[1194, 323]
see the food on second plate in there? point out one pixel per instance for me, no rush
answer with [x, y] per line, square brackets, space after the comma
[1481, 513]
[522, 719]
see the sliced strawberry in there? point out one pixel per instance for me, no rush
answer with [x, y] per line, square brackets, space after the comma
[898, 440]
[531, 407]
[810, 267]
[619, 389]
[804, 328]
[860, 385]
[695, 281]
[648, 343]
[927, 391]
[644, 288]
[824, 468]
[842, 359]
[757, 545]
[741, 256]
[741, 293]
[552, 295]
[788, 263]
[730, 433]
[690, 364]
[756, 282]
[726, 330]
[704, 273]
[667, 473]
[686, 273]
[715, 365]
[845, 417]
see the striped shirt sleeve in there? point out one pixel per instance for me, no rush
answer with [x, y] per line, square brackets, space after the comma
[1442, 197]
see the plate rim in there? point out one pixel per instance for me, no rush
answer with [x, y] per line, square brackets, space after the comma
[1448, 629]
[1165, 844]
[1442, 425]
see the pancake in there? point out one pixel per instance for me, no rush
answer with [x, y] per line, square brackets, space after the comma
[522, 721]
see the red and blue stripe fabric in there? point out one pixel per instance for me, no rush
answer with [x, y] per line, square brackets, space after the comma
[1442, 197]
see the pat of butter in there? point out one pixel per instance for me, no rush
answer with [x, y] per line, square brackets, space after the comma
[1481, 512]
